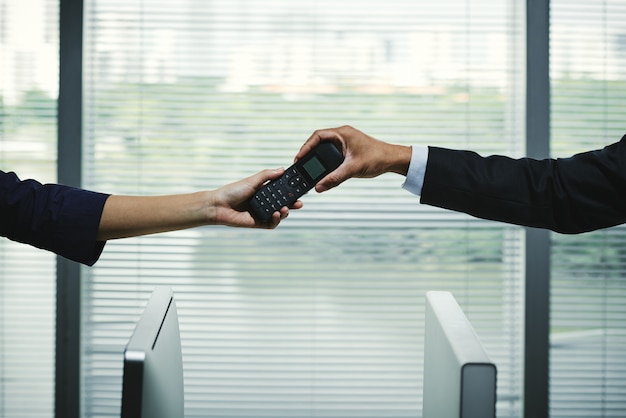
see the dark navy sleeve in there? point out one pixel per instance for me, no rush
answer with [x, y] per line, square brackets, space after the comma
[61, 219]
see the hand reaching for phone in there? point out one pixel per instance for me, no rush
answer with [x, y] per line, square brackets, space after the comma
[365, 156]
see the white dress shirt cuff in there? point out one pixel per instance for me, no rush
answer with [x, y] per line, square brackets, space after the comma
[417, 169]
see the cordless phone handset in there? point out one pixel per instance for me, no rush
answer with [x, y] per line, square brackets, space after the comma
[295, 181]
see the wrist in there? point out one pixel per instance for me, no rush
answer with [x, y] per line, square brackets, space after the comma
[207, 209]
[399, 159]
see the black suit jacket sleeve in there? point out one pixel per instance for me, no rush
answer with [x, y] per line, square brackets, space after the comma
[53, 217]
[569, 195]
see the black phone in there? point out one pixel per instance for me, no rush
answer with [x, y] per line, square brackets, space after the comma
[295, 181]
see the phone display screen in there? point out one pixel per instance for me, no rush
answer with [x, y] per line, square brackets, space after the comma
[314, 167]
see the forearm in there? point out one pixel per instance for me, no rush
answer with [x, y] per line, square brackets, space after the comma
[129, 216]
[569, 195]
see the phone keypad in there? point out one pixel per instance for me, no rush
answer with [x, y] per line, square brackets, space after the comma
[281, 192]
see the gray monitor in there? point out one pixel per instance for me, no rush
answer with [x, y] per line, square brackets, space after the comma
[459, 377]
[153, 365]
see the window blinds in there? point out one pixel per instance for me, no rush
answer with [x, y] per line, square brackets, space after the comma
[588, 313]
[324, 315]
[28, 91]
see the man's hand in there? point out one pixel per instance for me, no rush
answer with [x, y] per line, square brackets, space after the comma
[365, 156]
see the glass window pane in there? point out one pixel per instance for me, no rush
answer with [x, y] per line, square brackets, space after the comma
[323, 316]
[29, 46]
[588, 76]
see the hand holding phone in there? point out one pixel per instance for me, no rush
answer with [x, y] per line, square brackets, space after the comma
[295, 181]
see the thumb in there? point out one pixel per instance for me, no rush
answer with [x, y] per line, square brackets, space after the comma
[331, 180]
[263, 176]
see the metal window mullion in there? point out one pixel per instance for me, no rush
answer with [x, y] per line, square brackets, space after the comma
[69, 171]
[537, 302]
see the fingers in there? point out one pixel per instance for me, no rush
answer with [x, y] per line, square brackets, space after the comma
[319, 136]
[279, 215]
[336, 177]
[262, 177]
[308, 145]
[297, 205]
[274, 221]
